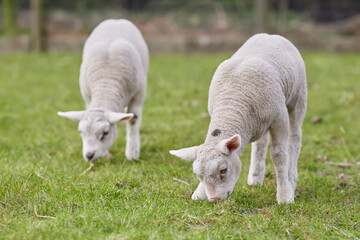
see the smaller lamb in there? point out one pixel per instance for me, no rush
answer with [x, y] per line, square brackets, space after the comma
[261, 88]
[113, 76]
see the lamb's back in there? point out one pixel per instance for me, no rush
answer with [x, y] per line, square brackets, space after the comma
[266, 69]
[251, 88]
[115, 63]
[112, 30]
[282, 57]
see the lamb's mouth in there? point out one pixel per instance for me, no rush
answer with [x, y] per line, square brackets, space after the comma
[216, 199]
[93, 159]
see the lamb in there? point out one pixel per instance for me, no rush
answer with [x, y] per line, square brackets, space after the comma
[262, 88]
[113, 76]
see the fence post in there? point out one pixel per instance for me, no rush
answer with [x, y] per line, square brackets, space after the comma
[260, 14]
[36, 19]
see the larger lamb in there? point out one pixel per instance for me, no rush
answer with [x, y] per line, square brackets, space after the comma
[261, 88]
[113, 76]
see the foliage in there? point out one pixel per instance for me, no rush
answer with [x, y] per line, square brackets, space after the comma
[41, 162]
[133, 4]
[8, 14]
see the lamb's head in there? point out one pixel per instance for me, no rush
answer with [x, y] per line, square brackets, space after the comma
[97, 128]
[218, 168]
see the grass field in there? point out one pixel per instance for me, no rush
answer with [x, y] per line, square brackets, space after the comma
[41, 161]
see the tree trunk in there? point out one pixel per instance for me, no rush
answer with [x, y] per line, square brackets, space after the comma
[37, 30]
[222, 23]
[282, 19]
[260, 10]
[8, 15]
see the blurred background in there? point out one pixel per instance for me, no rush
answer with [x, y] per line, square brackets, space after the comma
[181, 26]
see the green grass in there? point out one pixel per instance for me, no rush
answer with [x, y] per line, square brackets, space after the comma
[41, 161]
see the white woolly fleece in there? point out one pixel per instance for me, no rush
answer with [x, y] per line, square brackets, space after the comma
[113, 75]
[114, 67]
[260, 89]
[249, 90]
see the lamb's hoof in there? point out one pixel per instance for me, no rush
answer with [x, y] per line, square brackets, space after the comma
[133, 155]
[196, 196]
[285, 196]
[255, 180]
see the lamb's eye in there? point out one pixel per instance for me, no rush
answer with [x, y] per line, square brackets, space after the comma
[104, 134]
[223, 170]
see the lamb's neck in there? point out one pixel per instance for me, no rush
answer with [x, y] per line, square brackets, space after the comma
[107, 95]
[225, 126]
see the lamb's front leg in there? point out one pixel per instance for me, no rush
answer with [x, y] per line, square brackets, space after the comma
[257, 165]
[280, 157]
[132, 150]
[199, 193]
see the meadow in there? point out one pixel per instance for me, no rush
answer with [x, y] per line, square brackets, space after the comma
[45, 192]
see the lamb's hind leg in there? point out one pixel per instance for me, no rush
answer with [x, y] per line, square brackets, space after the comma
[132, 150]
[279, 131]
[257, 165]
[296, 118]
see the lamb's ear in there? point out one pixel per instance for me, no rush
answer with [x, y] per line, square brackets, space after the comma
[72, 115]
[229, 145]
[188, 154]
[115, 117]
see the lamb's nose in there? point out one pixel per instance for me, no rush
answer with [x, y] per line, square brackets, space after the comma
[90, 155]
[214, 199]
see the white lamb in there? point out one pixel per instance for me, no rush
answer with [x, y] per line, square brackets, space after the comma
[113, 76]
[260, 89]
